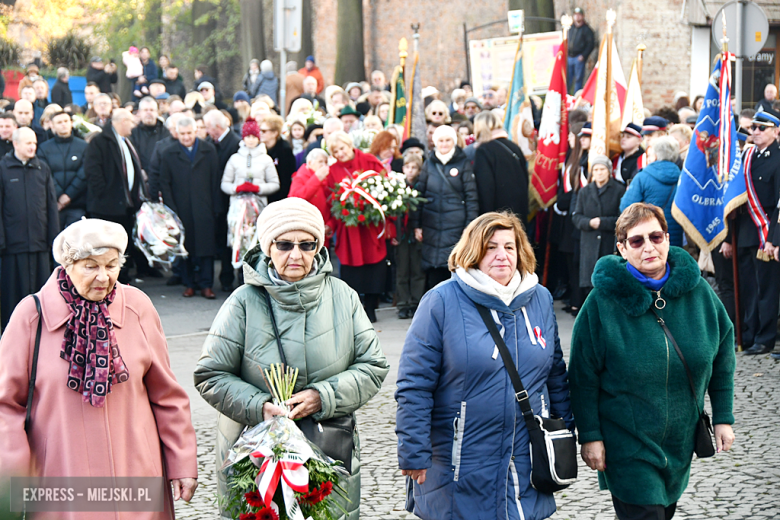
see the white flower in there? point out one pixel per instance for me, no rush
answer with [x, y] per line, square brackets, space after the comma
[414, 193]
[390, 189]
[384, 207]
[409, 189]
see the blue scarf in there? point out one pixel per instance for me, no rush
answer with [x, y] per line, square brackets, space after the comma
[650, 283]
[190, 154]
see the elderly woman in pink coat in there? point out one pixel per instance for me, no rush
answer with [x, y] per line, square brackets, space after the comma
[105, 402]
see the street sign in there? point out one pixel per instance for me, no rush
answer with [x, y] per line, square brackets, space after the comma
[515, 19]
[754, 30]
[287, 25]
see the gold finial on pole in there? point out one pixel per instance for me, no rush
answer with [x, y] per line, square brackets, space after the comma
[403, 46]
[566, 23]
[640, 50]
[725, 39]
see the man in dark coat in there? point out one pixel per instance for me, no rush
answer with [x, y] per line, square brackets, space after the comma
[60, 92]
[581, 44]
[64, 154]
[28, 222]
[190, 181]
[113, 173]
[502, 177]
[226, 142]
[7, 127]
[759, 281]
[174, 85]
[149, 132]
[104, 75]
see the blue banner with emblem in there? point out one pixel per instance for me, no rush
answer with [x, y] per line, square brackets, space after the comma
[712, 182]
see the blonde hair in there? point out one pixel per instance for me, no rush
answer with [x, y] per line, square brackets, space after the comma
[682, 130]
[433, 105]
[473, 243]
[484, 124]
[340, 136]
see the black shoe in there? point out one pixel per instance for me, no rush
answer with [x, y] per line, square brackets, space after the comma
[757, 350]
[174, 280]
[776, 356]
[371, 313]
[227, 288]
[404, 314]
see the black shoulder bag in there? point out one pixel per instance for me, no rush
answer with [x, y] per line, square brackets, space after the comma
[34, 370]
[553, 445]
[702, 446]
[333, 436]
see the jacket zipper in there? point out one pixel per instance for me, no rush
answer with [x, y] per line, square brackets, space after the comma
[666, 424]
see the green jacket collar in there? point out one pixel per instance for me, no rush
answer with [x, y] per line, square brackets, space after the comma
[299, 296]
[611, 277]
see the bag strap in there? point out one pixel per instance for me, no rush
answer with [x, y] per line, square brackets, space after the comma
[34, 371]
[273, 324]
[440, 169]
[520, 392]
[508, 150]
[679, 353]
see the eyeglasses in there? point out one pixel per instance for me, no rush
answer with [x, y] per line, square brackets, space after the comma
[637, 241]
[437, 113]
[760, 128]
[286, 245]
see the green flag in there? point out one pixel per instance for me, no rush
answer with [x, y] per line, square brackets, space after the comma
[398, 106]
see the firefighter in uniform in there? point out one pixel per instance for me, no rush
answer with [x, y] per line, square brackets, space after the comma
[759, 272]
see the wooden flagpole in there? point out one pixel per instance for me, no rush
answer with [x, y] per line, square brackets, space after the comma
[640, 50]
[608, 91]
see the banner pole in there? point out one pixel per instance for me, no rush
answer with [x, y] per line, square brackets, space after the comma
[608, 93]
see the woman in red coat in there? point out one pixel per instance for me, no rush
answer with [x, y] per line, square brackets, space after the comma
[360, 250]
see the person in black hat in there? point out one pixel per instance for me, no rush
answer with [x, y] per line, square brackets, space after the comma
[581, 44]
[350, 118]
[631, 144]
[653, 127]
[760, 279]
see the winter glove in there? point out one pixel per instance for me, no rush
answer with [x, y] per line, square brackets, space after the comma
[248, 187]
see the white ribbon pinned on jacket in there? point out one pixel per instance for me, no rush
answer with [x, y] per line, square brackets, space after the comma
[289, 470]
[353, 186]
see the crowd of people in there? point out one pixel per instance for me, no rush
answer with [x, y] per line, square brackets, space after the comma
[476, 241]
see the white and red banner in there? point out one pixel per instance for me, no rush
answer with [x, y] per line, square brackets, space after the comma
[602, 118]
[634, 108]
[553, 135]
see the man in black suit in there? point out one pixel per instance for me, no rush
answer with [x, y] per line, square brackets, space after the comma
[104, 75]
[226, 141]
[7, 127]
[190, 179]
[760, 277]
[113, 172]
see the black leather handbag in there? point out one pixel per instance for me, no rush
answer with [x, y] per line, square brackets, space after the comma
[553, 445]
[703, 446]
[34, 370]
[333, 436]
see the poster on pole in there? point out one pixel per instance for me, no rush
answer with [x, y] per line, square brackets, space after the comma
[492, 61]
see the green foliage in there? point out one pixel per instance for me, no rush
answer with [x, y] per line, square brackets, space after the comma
[9, 53]
[127, 22]
[70, 51]
[222, 42]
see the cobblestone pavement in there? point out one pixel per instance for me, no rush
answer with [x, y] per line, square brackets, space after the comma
[742, 484]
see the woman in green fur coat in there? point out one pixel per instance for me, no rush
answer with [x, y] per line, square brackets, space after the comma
[631, 397]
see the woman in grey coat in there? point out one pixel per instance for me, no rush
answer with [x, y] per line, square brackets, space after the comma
[595, 214]
[447, 182]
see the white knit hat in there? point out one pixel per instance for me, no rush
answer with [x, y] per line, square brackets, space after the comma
[80, 239]
[290, 214]
[445, 131]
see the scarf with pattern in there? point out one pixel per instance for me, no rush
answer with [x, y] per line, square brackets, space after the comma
[90, 345]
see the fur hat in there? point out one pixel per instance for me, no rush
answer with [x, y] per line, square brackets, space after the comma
[250, 128]
[290, 214]
[80, 239]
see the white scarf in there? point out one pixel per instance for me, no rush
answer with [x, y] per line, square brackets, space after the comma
[445, 158]
[506, 293]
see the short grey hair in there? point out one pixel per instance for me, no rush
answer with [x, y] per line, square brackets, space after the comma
[216, 118]
[173, 119]
[62, 72]
[666, 148]
[19, 131]
[185, 122]
[317, 153]
[73, 255]
[147, 100]
[309, 79]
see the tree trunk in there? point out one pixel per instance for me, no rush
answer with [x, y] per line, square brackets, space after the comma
[252, 44]
[201, 32]
[153, 25]
[536, 9]
[350, 61]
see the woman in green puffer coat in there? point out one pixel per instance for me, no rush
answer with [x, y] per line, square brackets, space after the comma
[324, 331]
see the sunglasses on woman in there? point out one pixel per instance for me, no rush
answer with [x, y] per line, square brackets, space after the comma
[286, 245]
[637, 241]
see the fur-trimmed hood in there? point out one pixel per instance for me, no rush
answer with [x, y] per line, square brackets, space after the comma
[612, 277]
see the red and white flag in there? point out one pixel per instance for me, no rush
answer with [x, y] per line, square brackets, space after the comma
[553, 135]
[618, 78]
[602, 116]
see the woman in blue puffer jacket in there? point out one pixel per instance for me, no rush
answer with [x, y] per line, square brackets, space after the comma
[656, 184]
[462, 440]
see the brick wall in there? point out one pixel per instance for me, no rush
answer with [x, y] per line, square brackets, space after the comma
[442, 53]
[655, 23]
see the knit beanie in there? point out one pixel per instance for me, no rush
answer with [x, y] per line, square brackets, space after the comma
[290, 214]
[602, 160]
[250, 128]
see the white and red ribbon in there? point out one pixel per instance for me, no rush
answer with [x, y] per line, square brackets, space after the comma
[352, 185]
[289, 470]
[755, 209]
